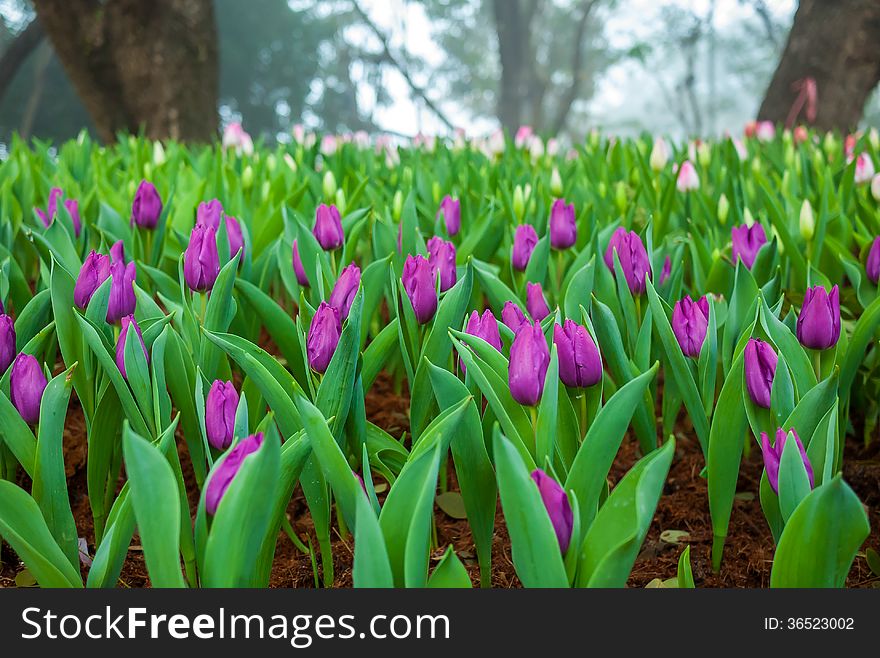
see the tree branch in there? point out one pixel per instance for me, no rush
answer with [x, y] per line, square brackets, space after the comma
[18, 52]
[401, 66]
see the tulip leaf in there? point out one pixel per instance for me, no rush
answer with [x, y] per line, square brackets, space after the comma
[495, 289]
[533, 543]
[685, 575]
[377, 354]
[536, 269]
[449, 573]
[17, 436]
[821, 538]
[545, 428]
[218, 313]
[794, 484]
[808, 413]
[787, 344]
[862, 336]
[371, 566]
[579, 290]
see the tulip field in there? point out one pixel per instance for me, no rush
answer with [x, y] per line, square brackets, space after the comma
[496, 362]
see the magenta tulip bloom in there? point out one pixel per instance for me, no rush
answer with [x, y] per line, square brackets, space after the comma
[563, 226]
[220, 407]
[128, 321]
[323, 337]
[633, 258]
[117, 252]
[328, 227]
[209, 213]
[122, 300]
[72, 206]
[535, 302]
[451, 210]
[419, 281]
[146, 208]
[345, 290]
[485, 327]
[818, 325]
[690, 320]
[47, 216]
[760, 368]
[201, 262]
[747, 241]
[441, 254]
[234, 235]
[27, 381]
[557, 505]
[7, 342]
[524, 241]
[529, 359]
[773, 455]
[872, 267]
[666, 272]
[298, 268]
[92, 274]
[512, 315]
[580, 364]
[225, 471]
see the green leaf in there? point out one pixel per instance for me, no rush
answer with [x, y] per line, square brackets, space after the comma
[371, 567]
[685, 575]
[794, 484]
[449, 573]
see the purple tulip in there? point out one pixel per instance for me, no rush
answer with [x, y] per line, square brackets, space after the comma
[323, 337]
[529, 359]
[666, 272]
[557, 505]
[72, 206]
[536, 305]
[419, 281]
[224, 472]
[146, 207]
[451, 210]
[485, 327]
[524, 241]
[580, 364]
[234, 236]
[760, 369]
[633, 259]
[117, 252]
[7, 342]
[773, 456]
[328, 227]
[48, 215]
[512, 315]
[220, 407]
[563, 226]
[690, 320]
[122, 300]
[209, 213]
[201, 263]
[128, 321]
[92, 274]
[345, 290]
[818, 325]
[441, 254]
[298, 268]
[872, 267]
[26, 385]
[747, 240]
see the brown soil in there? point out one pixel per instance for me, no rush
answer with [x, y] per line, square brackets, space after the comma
[683, 506]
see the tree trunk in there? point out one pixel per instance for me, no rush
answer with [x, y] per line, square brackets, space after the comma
[135, 64]
[17, 53]
[513, 47]
[835, 43]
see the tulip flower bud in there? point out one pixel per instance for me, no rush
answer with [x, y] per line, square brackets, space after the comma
[529, 359]
[760, 368]
[872, 267]
[298, 268]
[7, 342]
[875, 187]
[323, 337]
[555, 183]
[773, 456]
[122, 299]
[234, 236]
[340, 200]
[535, 302]
[666, 272]
[128, 321]
[557, 506]
[201, 262]
[723, 209]
[397, 206]
[512, 315]
[818, 325]
[687, 179]
[524, 241]
[441, 254]
[807, 221]
[435, 191]
[224, 472]
[451, 210]
[72, 206]
[704, 154]
[48, 216]
[633, 259]
[563, 225]
[419, 281]
[26, 385]
[158, 154]
[345, 290]
[690, 321]
[519, 203]
[247, 177]
[290, 162]
[220, 407]
[874, 138]
[748, 220]
[146, 208]
[580, 364]
[329, 185]
[485, 327]
[747, 241]
[864, 168]
[328, 227]
[117, 252]
[659, 154]
[602, 189]
[92, 274]
[620, 197]
[209, 213]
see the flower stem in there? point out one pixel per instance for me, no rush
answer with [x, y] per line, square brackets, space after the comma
[817, 364]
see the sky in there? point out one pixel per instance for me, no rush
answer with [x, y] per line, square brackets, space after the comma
[626, 95]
